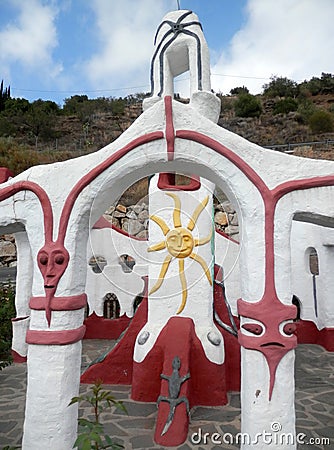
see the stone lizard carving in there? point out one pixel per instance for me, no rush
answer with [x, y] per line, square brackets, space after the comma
[174, 387]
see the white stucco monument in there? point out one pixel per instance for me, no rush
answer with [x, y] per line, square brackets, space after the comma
[54, 208]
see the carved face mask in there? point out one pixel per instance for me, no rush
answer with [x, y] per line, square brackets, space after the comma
[52, 261]
[272, 335]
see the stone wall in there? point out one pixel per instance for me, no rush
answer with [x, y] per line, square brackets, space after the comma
[7, 250]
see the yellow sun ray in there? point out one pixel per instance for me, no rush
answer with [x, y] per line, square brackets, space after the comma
[183, 285]
[204, 240]
[155, 248]
[196, 213]
[201, 261]
[162, 224]
[177, 210]
[162, 274]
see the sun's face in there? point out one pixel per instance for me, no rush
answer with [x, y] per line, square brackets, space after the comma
[180, 243]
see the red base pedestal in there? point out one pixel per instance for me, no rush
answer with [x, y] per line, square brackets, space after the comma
[100, 328]
[308, 333]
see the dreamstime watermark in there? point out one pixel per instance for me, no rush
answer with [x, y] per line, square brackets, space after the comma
[273, 437]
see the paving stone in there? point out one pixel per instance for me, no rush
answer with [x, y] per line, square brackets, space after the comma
[138, 423]
[327, 432]
[142, 442]
[112, 429]
[210, 414]
[234, 399]
[5, 427]
[319, 407]
[314, 405]
[306, 423]
[184, 447]
[138, 409]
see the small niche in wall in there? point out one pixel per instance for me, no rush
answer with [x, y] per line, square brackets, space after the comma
[111, 306]
[313, 261]
[97, 263]
[127, 263]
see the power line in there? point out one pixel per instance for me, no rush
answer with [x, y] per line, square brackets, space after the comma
[125, 88]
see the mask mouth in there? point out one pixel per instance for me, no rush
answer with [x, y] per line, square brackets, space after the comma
[46, 286]
[276, 344]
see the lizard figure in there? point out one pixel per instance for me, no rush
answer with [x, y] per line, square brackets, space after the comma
[174, 387]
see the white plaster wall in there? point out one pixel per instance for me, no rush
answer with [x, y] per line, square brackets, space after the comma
[181, 55]
[316, 201]
[303, 237]
[23, 293]
[165, 302]
[258, 414]
[227, 255]
[53, 379]
[24, 274]
[110, 244]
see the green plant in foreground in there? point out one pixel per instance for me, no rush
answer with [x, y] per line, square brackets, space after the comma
[91, 432]
[7, 312]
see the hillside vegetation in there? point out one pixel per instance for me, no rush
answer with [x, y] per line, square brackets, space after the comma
[285, 113]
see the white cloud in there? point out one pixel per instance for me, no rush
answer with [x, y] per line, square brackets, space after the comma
[290, 38]
[30, 39]
[125, 29]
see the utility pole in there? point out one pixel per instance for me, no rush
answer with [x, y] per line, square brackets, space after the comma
[178, 4]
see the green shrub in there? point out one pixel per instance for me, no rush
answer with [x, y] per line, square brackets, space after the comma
[239, 90]
[247, 105]
[91, 432]
[7, 312]
[280, 87]
[321, 122]
[305, 109]
[285, 106]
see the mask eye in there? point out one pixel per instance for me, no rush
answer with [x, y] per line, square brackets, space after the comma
[59, 259]
[289, 328]
[43, 259]
[253, 328]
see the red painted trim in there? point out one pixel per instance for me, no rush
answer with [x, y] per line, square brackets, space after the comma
[226, 236]
[245, 168]
[166, 182]
[18, 319]
[94, 173]
[305, 183]
[5, 174]
[104, 223]
[69, 303]
[63, 337]
[17, 358]
[9, 191]
[170, 132]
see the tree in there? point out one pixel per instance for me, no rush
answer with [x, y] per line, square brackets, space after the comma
[41, 119]
[239, 90]
[321, 122]
[4, 96]
[73, 105]
[247, 105]
[280, 87]
[285, 105]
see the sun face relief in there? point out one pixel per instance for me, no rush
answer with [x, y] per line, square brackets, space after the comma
[180, 243]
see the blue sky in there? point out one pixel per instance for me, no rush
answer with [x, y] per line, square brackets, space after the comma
[52, 49]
